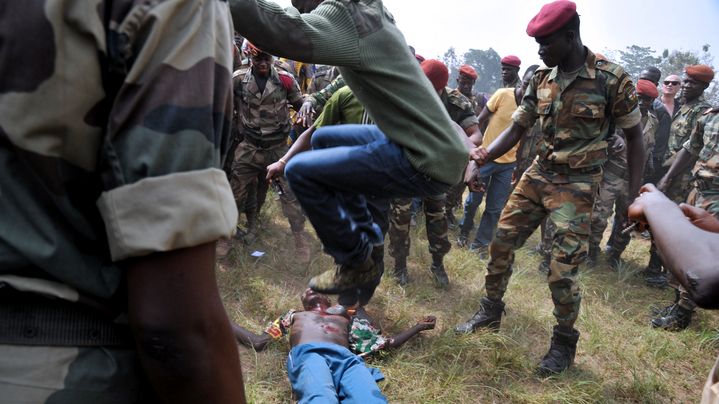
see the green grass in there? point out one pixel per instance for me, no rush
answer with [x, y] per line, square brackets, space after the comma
[620, 358]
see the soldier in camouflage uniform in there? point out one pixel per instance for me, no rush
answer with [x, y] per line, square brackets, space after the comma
[683, 122]
[702, 144]
[613, 189]
[323, 77]
[264, 94]
[112, 198]
[576, 102]
[460, 111]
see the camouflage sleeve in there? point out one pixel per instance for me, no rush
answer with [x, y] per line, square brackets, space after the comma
[526, 114]
[625, 109]
[281, 326]
[161, 155]
[462, 112]
[319, 99]
[294, 95]
[695, 143]
[323, 36]
[332, 111]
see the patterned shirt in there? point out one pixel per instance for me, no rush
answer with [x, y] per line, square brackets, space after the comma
[578, 117]
[704, 144]
[685, 120]
[459, 107]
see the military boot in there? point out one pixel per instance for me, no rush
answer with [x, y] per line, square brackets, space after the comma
[488, 316]
[561, 351]
[302, 248]
[544, 265]
[401, 275]
[346, 277]
[613, 256]
[250, 235]
[677, 319]
[592, 255]
[451, 219]
[653, 274]
[440, 275]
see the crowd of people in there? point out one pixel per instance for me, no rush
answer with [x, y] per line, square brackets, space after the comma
[113, 203]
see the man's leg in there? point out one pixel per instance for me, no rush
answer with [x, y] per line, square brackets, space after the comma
[454, 199]
[399, 240]
[611, 187]
[358, 384]
[437, 236]
[498, 190]
[618, 242]
[310, 377]
[329, 183]
[244, 186]
[521, 216]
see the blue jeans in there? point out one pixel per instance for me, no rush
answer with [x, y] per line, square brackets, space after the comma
[329, 373]
[346, 163]
[497, 178]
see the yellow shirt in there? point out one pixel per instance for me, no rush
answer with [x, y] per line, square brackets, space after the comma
[502, 106]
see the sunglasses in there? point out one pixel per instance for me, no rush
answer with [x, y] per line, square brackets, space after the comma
[671, 83]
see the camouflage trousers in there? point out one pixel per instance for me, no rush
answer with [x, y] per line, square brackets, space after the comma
[249, 186]
[612, 197]
[569, 208]
[454, 196]
[436, 224]
[708, 200]
[71, 375]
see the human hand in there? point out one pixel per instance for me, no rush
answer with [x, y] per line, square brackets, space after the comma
[700, 218]
[648, 195]
[276, 169]
[618, 143]
[306, 113]
[427, 323]
[472, 179]
[479, 155]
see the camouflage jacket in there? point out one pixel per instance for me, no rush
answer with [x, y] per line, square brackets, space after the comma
[682, 126]
[617, 161]
[578, 117]
[265, 115]
[322, 78]
[459, 107]
[704, 144]
[125, 160]
[320, 98]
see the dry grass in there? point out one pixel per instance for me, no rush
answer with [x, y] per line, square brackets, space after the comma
[619, 358]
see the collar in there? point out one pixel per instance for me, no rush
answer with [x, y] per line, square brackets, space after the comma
[587, 71]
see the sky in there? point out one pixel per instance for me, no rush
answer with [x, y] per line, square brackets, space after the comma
[433, 26]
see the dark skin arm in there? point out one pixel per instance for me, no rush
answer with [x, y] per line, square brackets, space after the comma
[258, 342]
[484, 117]
[501, 145]
[474, 135]
[302, 143]
[180, 327]
[636, 157]
[687, 239]
[680, 165]
[427, 323]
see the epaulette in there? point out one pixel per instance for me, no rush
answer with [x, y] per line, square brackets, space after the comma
[287, 79]
[241, 72]
[610, 67]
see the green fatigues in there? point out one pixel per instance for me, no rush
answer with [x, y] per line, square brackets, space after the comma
[322, 78]
[87, 183]
[266, 126]
[613, 191]
[562, 182]
[460, 110]
[683, 123]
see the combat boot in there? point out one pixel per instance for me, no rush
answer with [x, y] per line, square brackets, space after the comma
[440, 275]
[613, 256]
[252, 224]
[544, 265]
[302, 248]
[401, 276]
[488, 316]
[592, 255]
[677, 319]
[561, 351]
[346, 277]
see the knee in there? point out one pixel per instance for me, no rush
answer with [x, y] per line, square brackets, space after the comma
[320, 139]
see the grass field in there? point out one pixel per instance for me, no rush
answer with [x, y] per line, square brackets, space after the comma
[620, 358]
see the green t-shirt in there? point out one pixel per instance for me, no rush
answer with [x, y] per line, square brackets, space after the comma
[342, 108]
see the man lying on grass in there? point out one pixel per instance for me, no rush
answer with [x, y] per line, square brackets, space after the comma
[325, 362]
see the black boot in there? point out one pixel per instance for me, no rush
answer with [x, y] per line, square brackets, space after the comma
[677, 319]
[440, 275]
[489, 316]
[592, 256]
[561, 351]
[654, 266]
[544, 265]
[401, 275]
[613, 256]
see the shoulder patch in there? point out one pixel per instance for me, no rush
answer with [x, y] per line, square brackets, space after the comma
[286, 79]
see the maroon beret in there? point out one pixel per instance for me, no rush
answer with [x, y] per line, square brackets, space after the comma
[646, 87]
[551, 17]
[702, 73]
[511, 60]
[468, 71]
[436, 72]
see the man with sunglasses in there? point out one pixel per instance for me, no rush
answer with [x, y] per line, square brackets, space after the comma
[676, 184]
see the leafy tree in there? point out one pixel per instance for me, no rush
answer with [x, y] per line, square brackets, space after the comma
[452, 61]
[637, 58]
[488, 66]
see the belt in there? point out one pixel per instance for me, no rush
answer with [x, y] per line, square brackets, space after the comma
[265, 144]
[565, 169]
[31, 319]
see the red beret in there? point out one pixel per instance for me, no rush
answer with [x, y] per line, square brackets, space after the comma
[646, 87]
[551, 17]
[436, 72]
[700, 72]
[511, 60]
[468, 71]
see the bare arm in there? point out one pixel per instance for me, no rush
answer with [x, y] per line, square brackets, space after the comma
[426, 323]
[258, 342]
[474, 134]
[483, 118]
[181, 328]
[501, 145]
[302, 143]
[680, 164]
[636, 156]
[687, 240]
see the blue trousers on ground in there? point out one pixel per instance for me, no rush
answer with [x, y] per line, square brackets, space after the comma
[330, 373]
[346, 163]
[497, 178]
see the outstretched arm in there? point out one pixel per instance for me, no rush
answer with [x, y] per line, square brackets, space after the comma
[258, 342]
[302, 143]
[426, 323]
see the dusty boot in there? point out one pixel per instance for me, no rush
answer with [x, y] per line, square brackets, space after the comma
[250, 235]
[658, 311]
[561, 351]
[346, 277]
[677, 319]
[440, 275]
[302, 248]
[592, 256]
[401, 275]
[488, 316]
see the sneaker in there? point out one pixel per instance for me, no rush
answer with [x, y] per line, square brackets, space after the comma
[345, 277]
[440, 275]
